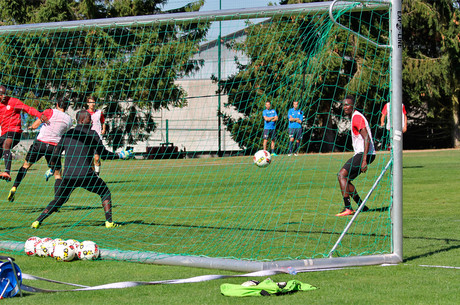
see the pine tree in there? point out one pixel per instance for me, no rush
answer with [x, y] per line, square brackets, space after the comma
[139, 64]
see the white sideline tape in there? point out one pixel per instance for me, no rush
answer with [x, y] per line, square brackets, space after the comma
[120, 285]
[445, 267]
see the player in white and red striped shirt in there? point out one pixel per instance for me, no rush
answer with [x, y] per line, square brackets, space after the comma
[363, 146]
[10, 122]
[49, 136]
[98, 125]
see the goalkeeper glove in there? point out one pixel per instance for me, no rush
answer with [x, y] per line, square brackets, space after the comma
[48, 174]
[125, 154]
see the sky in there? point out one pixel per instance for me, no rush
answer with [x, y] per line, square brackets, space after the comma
[213, 5]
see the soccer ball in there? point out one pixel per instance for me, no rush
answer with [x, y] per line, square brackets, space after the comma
[262, 158]
[39, 249]
[64, 252]
[73, 242]
[30, 245]
[47, 248]
[88, 250]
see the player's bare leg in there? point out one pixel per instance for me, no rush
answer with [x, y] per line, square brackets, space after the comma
[97, 164]
[107, 205]
[21, 174]
[8, 157]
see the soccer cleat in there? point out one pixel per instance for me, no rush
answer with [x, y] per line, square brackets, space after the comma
[5, 176]
[346, 212]
[11, 194]
[35, 224]
[295, 154]
[110, 225]
[289, 155]
[274, 155]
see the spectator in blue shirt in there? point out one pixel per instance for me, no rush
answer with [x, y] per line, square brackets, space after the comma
[270, 117]
[295, 117]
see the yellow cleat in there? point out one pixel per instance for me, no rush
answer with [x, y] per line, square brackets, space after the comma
[35, 224]
[11, 194]
[110, 225]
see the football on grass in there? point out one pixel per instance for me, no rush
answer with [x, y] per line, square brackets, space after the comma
[64, 252]
[30, 245]
[262, 158]
[88, 250]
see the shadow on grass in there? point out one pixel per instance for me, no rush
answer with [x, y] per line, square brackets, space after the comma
[119, 181]
[206, 227]
[414, 166]
[427, 254]
[63, 208]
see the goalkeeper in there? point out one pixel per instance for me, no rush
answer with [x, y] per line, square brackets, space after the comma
[79, 144]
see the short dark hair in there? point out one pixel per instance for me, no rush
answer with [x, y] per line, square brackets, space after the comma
[90, 97]
[81, 115]
[63, 103]
[350, 97]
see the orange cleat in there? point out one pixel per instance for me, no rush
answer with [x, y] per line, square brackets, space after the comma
[346, 212]
[5, 176]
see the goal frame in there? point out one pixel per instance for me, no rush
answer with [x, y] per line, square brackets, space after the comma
[394, 6]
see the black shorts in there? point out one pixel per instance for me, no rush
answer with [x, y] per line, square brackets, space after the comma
[40, 149]
[353, 165]
[269, 134]
[91, 183]
[295, 133]
[16, 136]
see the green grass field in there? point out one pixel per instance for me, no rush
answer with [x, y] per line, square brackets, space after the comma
[431, 238]
[218, 207]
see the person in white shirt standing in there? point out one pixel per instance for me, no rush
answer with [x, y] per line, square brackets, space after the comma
[386, 113]
[98, 125]
[363, 146]
[49, 136]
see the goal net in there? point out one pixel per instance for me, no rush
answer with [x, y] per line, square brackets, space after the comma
[187, 93]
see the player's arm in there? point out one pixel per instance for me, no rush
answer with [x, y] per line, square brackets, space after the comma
[300, 120]
[367, 143]
[404, 127]
[44, 118]
[291, 119]
[104, 153]
[103, 123]
[382, 119]
[20, 106]
[384, 114]
[36, 124]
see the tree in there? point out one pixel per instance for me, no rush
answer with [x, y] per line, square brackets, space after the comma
[116, 65]
[295, 58]
[431, 72]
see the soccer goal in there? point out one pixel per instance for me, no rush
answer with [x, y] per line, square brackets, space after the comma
[187, 92]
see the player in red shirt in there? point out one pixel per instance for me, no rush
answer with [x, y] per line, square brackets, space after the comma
[363, 146]
[98, 125]
[10, 122]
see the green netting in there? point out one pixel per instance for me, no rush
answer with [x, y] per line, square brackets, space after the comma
[188, 96]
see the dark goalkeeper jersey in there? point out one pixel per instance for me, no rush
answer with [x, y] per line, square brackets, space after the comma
[80, 144]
